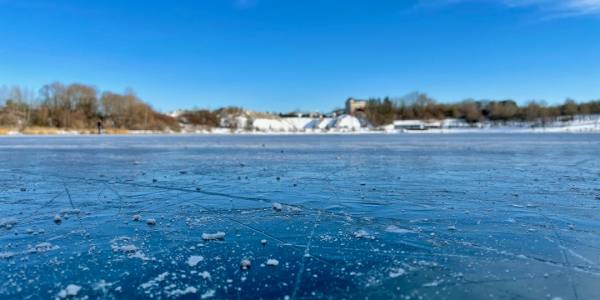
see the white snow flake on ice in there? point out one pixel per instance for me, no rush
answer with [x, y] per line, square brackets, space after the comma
[70, 291]
[43, 247]
[179, 292]
[131, 250]
[213, 236]
[245, 264]
[6, 255]
[154, 282]
[272, 262]
[397, 272]
[8, 223]
[277, 206]
[194, 260]
[396, 229]
[208, 294]
[204, 274]
[363, 234]
[125, 248]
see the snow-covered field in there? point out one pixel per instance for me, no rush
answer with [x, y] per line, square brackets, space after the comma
[400, 216]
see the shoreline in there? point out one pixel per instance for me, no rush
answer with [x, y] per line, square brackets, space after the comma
[226, 132]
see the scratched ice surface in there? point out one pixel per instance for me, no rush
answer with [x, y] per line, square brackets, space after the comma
[378, 216]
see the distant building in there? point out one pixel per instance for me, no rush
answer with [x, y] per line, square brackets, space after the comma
[355, 105]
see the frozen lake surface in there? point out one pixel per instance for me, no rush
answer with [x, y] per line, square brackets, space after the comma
[305, 217]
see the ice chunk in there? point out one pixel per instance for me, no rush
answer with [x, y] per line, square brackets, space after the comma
[151, 222]
[396, 229]
[8, 223]
[272, 262]
[70, 291]
[6, 255]
[125, 248]
[363, 234]
[178, 292]
[43, 247]
[194, 260]
[208, 294]
[154, 282]
[204, 274]
[57, 219]
[245, 264]
[136, 218]
[397, 272]
[213, 236]
[277, 206]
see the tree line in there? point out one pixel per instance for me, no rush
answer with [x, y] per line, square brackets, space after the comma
[79, 106]
[419, 106]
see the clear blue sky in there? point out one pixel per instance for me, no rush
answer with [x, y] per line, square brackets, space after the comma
[278, 55]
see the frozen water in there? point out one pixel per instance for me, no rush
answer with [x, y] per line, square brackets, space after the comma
[378, 216]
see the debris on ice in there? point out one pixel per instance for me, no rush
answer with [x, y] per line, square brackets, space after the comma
[213, 236]
[194, 260]
[204, 274]
[245, 264]
[70, 291]
[154, 282]
[6, 255]
[396, 229]
[277, 206]
[208, 294]
[8, 223]
[363, 234]
[272, 262]
[397, 272]
[178, 292]
[43, 247]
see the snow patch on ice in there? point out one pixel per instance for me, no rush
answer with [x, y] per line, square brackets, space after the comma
[8, 223]
[194, 260]
[396, 229]
[155, 281]
[220, 235]
[277, 206]
[208, 294]
[6, 255]
[70, 291]
[396, 272]
[272, 262]
[363, 234]
[42, 247]
[180, 292]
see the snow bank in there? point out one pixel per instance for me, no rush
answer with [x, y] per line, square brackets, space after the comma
[343, 122]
